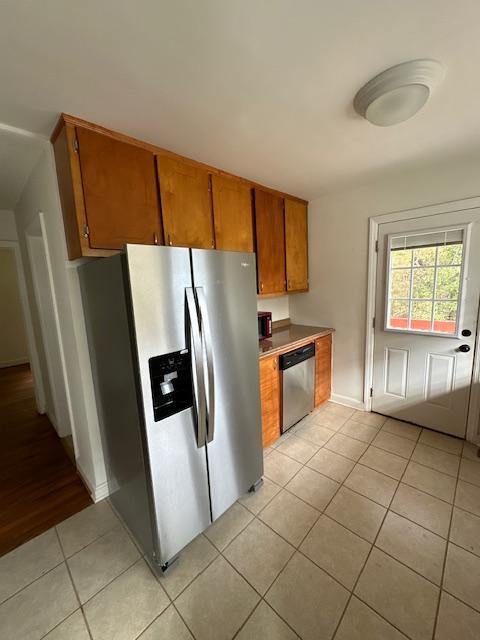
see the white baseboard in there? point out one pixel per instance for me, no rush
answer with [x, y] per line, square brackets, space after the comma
[347, 401]
[98, 492]
[13, 363]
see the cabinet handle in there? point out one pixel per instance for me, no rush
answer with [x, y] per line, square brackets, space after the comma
[275, 364]
[261, 286]
[155, 239]
[169, 240]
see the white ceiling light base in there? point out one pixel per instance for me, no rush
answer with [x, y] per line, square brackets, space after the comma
[398, 93]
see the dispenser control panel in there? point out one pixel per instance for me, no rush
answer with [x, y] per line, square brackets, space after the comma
[171, 381]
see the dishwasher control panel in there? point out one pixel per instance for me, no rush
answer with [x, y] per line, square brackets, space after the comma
[292, 358]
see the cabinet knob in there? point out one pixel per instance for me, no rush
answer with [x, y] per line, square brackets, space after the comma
[261, 286]
[155, 239]
[169, 240]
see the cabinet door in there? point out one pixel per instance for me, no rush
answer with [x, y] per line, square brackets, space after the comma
[270, 241]
[232, 214]
[119, 190]
[323, 369]
[270, 399]
[296, 245]
[186, 204]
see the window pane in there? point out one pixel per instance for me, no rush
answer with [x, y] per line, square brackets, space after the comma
[398, 314]
[423, 280]
[421, 317]
[424, 257]
[451, 254]
[448, 283]
[445, 317]
[401, 258]
[400, 287]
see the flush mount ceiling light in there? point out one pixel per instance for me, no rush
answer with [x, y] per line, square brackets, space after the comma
[398, 93]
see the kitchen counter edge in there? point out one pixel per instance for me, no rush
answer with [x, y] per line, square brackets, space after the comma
[311, 333]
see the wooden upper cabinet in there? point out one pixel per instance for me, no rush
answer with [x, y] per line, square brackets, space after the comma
[323, 369]
[296, 245]
[270, 240]
[270, 399]
[115, 189]
[186, 203]
[119, 190]
[232, 214]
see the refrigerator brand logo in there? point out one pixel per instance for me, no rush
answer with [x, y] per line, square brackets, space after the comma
[245, 264]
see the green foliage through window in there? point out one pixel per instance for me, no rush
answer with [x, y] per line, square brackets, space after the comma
[424, 288]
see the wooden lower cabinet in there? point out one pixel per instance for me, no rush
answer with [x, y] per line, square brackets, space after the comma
[323, 369]
[271, 387]
[270, 399]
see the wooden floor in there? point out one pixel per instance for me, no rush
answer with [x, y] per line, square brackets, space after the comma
[39, 485]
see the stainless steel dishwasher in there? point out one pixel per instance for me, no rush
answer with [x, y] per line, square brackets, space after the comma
[298, 384]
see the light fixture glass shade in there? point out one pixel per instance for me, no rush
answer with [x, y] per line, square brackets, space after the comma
[397, 105]
[398, 93]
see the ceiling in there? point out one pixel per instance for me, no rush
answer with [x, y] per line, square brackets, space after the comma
[262, 89]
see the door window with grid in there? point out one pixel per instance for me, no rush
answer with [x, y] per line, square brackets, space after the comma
[424, 282]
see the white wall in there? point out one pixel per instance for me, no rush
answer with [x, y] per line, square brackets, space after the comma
[74, 378]
[8, 230]
[280, 307]
[338, 246]
[13, 340]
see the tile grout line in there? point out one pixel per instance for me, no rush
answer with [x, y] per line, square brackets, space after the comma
[45, 573]
[73, 585]
[101, 535]
[359, 461]
[469, 606]
[341, 484]
[65, 559]
[365, 564]
[297, 550]
[235, 635]
[445, 556]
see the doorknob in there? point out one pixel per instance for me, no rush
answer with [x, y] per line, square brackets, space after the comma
[464, 348]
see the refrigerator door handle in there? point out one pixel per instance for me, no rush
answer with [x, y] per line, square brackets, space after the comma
[207, 343]
[197, 358]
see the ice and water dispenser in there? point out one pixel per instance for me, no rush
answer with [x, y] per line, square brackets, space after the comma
[171, 380]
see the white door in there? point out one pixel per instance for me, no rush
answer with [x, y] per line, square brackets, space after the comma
[427, 296]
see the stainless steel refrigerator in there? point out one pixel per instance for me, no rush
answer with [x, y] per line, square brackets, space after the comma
[173, 340]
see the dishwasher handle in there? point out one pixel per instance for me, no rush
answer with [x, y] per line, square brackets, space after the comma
[292, 358]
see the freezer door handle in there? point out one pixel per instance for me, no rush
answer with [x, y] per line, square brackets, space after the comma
[207, 345]
[198, 365]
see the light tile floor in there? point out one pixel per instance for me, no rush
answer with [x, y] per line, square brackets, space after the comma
[364, 529]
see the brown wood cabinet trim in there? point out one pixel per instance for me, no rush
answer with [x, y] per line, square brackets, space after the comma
[323, 386]
[76, 172]
[75, 121]
[270, 395]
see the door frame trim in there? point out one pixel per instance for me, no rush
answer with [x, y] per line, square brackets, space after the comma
[472, 433]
